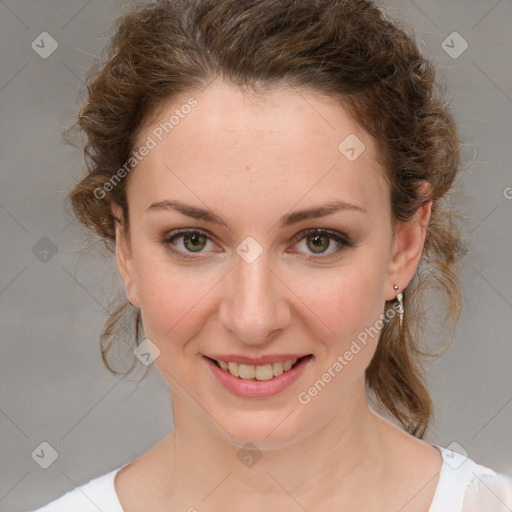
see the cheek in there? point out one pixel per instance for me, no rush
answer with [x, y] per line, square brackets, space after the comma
[344, 317]
[344, 303]
[172, 299]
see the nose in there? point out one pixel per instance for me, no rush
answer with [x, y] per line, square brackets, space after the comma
[255, 303]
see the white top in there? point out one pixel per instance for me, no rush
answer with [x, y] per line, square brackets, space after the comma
[463, 486]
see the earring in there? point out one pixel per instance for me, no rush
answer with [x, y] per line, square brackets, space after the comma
[400, 304]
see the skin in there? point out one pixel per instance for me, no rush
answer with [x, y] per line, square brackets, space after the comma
[251, 160]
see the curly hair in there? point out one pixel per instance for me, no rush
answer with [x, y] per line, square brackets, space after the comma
[350, 50]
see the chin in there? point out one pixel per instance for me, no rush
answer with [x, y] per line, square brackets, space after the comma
[265, 430]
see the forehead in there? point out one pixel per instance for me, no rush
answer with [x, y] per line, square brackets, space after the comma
[287, 145]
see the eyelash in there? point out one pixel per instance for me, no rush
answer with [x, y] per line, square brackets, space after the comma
[342, 240]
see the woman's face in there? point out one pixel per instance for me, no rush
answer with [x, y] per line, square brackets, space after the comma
[248, 280]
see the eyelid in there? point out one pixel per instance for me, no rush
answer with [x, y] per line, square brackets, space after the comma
[323, 231]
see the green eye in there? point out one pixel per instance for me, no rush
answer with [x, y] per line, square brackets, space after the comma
[194, 242]
[319, 240]
[320, 243]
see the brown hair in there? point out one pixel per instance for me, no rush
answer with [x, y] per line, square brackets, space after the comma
[347, 49]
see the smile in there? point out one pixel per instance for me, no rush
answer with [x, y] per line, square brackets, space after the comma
[258, 372]
[257, 381]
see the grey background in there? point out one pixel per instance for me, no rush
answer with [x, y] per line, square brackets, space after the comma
[53, 386]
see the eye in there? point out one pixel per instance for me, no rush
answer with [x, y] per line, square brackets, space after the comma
[315, 240]
[193, 241]
[319, 240]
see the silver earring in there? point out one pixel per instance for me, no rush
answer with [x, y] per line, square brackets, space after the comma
[400, 304]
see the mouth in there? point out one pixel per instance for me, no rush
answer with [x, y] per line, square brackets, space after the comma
[258, 381]
[260, 372]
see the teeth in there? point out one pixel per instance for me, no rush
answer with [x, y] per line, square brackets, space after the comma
[233, 369]
[260, 372]
[246, 371]
[264, 372]
[277, 369]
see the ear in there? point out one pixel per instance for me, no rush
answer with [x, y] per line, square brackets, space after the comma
[408, 246]
[124, 256]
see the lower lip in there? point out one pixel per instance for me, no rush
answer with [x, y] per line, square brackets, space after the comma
[252, 388]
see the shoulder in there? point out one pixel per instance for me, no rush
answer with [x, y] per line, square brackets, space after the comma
[97, 494]
[466, 486]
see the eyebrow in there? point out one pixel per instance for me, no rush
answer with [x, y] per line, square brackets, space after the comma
[285, 221]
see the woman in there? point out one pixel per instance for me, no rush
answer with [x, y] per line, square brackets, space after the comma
[271, 176]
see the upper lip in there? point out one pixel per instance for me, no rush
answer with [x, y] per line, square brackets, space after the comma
[256, 361]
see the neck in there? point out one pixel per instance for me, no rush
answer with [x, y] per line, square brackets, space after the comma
[339, 460]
